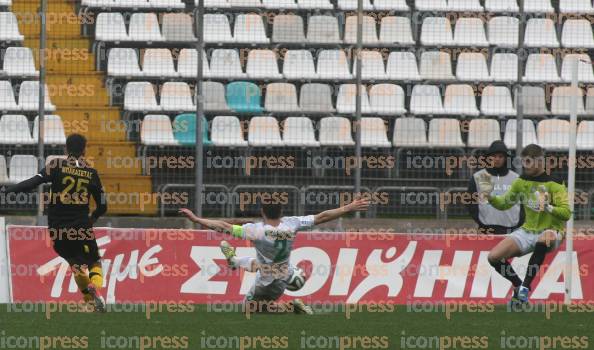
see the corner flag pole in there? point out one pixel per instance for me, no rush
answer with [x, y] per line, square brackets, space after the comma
[571, 179]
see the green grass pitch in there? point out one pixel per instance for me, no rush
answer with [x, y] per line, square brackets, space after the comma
[200, 327]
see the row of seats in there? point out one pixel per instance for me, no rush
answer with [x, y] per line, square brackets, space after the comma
[14, 129]
[140, 4]
[334, 65]
[264, 131]
[28, 97]
[530, 6]
[9, 27]
[384, 99]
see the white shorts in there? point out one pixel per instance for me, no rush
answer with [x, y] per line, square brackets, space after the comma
[527, 240]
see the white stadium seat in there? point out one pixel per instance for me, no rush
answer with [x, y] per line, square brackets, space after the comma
[316, 98]
[584, 139]
[460, 99]
[528, 133]
[541, 68]
[131, 4]
[533, 101]
[323, 30]
[225, 63]
[472, 66]
[436, 31]
[426, 99]
[333, 64]
[396, 30]
[299, 64]
[501, 6]
[445, 132]
[315, 4]
[387, 99]
[29, 97]
[482, 132]
[249, 28]
[590, 101]
[575, 6]
[158, 63]
[177, 97]
[140, 96]
[7, 99]
[279, 4]
[299, 132]
[156, 130]
[497, 101]
[353, 5]
[166, 4]
[19, 61]
[262, 64]
[577, 33]
[374, 133]
[585, 73]
[346, 99]
[187, 64]
[562, 100]
[402, 65]
[504, 67]
[53, 130]
[369, 30]
[372, 65]
[390, 5]
[470, 32]
[436, 65]
[4, 179]
[504, 31]
[14, 129]
[22, 167]
[9, 27]
[227, 132]
[538, 6]
[110, 26]
[123, 62]
[217, 28]
[214, 96]
[553, 134]
[245, 3]
[264, 132]
[178, 27]
[465, 5]
[281, 97]
[288, 29]
[409, 132]
[431, 5]
[540, 32]
[145, 27]
[336, 131]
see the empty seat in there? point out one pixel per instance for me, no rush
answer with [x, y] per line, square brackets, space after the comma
[372, 65]
[264, 132]
[553, 134]
[533, 101]
[316, 98]
[288, 29]
[177, 97]
[140, 96]
[562, 100]
[584, 139]
[402, 65]
[333, 64]
[528, 133]
[577, 33]
[217, 28]
[445, 132]
[541, 68]
[9, 27]
[465, 5]
[504, 31]
[538, 6]
[128, 3]
[431, 5]
[156, 130]
[460, 100]
[177, 27]
[281, 97]
[158, 63]
[396, 30]
[436, 31]
[369, 30]
[29, 97]
[470, 32]
[336, 131]
[245, 3]
[436, 65]
[590, 101]
[346, 99]
[122, 62]
[472, 66]
[22, 167]
[14, 129]
[53, 130]
[225, 63]
[4, 179]
[575, 6]
[409, 132]
[110, 26]
[323, 30]
[249, 28]
[214, 96]
[299, 132]
[244, 97]
[145, 27]
[540, 32]
[166, 4]
[7, 100]
[262, 64]
[426, 99]
[504, 67]
[501, 6]
[187, 64]
[353, 5]
[279, 4]
[390, 5]
[374, 133]
[482, 132]
[184, 130]
[387, 99]
[19, 61]
[585, 73]
[315, 4]
[227, 132]
[299, 64]
[497, 101]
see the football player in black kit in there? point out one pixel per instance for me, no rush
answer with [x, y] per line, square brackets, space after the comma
[70, 226]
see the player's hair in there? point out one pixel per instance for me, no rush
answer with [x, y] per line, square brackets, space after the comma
[272, 211]
[533, 151]
[75, 145]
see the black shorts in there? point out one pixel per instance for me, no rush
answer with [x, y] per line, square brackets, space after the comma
[78, 251]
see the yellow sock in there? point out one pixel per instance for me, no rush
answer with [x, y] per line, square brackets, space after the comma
[81, 279]
[96, 275]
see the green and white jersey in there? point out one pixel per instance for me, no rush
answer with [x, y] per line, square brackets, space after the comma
[273, 244]
[527, 191]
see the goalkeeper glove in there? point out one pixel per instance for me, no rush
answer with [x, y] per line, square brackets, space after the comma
[485, 184]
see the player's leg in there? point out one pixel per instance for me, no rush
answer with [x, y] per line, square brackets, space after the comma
[245, 262]
[546, 241]
[88, 255]
[498, 258]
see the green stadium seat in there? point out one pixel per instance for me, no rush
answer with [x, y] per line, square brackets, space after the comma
[184, 130]
[244, 97]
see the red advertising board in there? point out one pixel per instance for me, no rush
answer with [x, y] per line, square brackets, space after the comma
[186, 265]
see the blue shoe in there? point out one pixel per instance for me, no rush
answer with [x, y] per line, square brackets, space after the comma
[523, 294]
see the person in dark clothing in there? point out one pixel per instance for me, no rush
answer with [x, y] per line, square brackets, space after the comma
[73, 184]
[489, 219]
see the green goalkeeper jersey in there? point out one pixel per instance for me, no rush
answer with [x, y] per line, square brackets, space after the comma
[529, 191]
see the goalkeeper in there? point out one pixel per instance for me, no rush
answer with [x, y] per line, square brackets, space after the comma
[544, 201]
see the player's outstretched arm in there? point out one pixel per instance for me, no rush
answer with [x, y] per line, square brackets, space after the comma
[333, 214]
[216, 225]
[27, 185]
